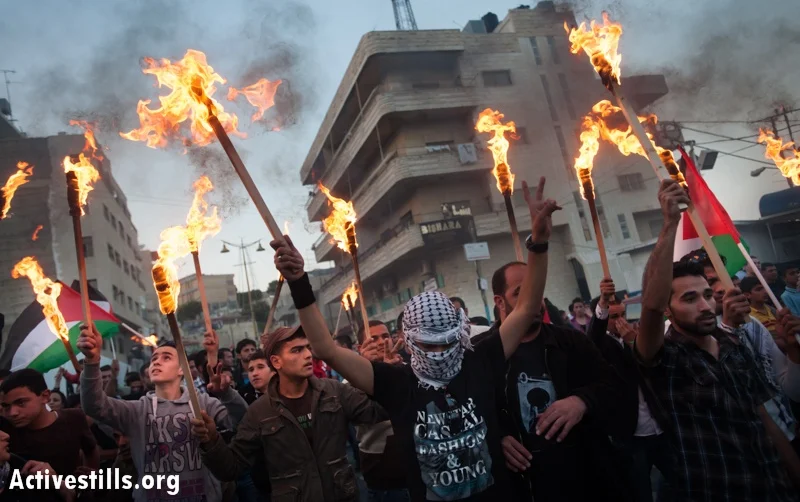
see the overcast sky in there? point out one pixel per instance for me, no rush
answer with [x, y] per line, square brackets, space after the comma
[725, 60]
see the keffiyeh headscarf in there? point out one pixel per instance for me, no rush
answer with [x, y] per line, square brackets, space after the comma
[431, 318]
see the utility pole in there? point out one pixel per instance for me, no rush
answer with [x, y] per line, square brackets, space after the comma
[775, 132]
[8, 92]
[404, 16]
[249, 293]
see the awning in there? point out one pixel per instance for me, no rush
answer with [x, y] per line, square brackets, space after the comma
[780, 203]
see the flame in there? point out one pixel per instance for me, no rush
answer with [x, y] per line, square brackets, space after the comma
[35, 235]
[192, 83]
[201, 224]
[286, 227]
[151, 340]
[350, 296]
[86, 175]
[490, 121]
[341, 222]
[261, 95]
[615, 129]
[88, 133]
[790, 167]
[47, 293]
[174, 244]
[590, 144]
[600, 42]
[16, 180]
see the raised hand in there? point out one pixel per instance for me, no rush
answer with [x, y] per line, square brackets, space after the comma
[735, 307]
[288, 260]
[204, 428]
[788, 328]
[671, 195]
[626, 330]
[219, 381]
[390, 352]
[371, 349]
[607, 292]
[541, 211]
[90, 343]
[211, 344]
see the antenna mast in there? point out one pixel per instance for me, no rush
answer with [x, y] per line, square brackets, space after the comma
[404, 16]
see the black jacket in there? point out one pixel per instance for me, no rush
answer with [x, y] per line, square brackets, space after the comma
[621, 358]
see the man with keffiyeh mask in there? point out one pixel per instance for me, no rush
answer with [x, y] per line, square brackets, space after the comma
[443, 406]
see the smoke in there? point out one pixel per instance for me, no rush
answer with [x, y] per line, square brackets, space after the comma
[212, 162]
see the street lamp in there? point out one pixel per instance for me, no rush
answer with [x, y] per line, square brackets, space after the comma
[243, 248]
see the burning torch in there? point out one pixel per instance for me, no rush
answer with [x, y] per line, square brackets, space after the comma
[600, 43]
[47, 293]
[81, 175]
[341, 224]
[348, 302]
[174, 244]
[16, 180]
[491, 121]
[193, 83]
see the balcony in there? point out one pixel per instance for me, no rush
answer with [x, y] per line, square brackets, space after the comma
[407, 237]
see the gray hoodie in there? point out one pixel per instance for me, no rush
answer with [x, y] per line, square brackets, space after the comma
[160, 435]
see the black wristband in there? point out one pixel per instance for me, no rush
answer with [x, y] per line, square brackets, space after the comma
[302, 293]
[536, 247]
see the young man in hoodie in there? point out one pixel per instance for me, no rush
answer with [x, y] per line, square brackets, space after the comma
[442, 406]
[157, 425]
[299, 429]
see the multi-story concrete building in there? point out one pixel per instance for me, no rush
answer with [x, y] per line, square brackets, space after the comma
[113, 259]
[220, 291]
[399, 141]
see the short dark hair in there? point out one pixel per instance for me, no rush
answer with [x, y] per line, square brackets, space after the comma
[687, 269]
[132, 377]
[222, 351]
[167, 343]
[106, 367]
[144, 367]
[244, 343]
[258, 354]
[372, 323]
[499, 283]
[575, 300]
[63, 397]
[4, 373]
[766, 265]
[748, 283]
[454, 299]
[345, 340]
[786, 270]
[27, 377]
[299, 333]
[479, 320]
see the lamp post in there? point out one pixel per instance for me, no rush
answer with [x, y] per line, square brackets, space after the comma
[243, 248]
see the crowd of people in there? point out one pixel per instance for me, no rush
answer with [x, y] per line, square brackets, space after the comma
[697, 401]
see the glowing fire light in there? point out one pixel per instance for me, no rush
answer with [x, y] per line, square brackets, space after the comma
[151, 340]
[341, 222]
[35, 235]
[491, 121]
[614, 128]
[192, 83]
[47, 293]
[261, 95]
[16, 180]
[88, 132]
[350, 296]
[200, 223]
[590, 144]
[600, 42]
[286, 227]
[790, 167]
[174, 244]
[86, 175]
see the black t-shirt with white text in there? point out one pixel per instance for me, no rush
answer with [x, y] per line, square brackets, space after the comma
[301, 409]
[451, 435]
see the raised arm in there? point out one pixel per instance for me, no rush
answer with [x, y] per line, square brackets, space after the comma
[116, 413]
[657, 280]
[531, 293]
[356, 369]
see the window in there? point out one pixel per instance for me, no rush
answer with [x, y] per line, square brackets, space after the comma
[562, 144]
[105, 212]
[551, 42]
[496, 78]
[88, 248]
[522, 135]
[536, 55]
[121, 232]
[655, 227]
[387, 304]
[562, 79]
[587, 234]
[130, 303]
[113, 221]
[371, 310]
[403, 296]
[116, 293]
[440, 280]
[548, 97]
[126, 267]
[623, 226]
[117, 259]
[601, 215]
[425, 85]
[631, 182]
[111, 252]
[440, 146]
[128, 238]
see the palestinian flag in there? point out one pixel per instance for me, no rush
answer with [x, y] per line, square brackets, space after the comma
[31, 344]
[720, 226]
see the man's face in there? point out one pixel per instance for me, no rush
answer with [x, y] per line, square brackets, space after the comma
[106, 376]
[790, 277]
[193, 369]
[380, 333]
[749, 269]
[615, 312]
[579, 309]
[458, 305]
[692, 306]
[56, 403]
[137, 387]
[246, 352]
[294, 359]
[228, 372]
[164, 365]
[506, 303]
[259, 373]
[21, 406]
[227, 359]
[757, 295]
[771, 274]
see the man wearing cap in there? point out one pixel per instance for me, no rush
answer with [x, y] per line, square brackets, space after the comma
[299, 428]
